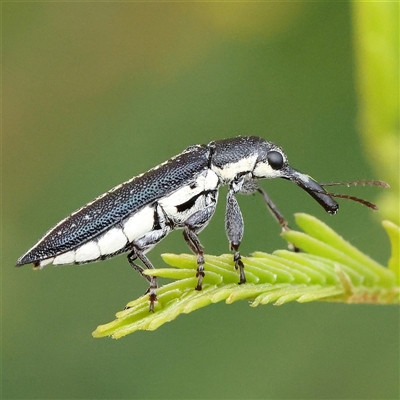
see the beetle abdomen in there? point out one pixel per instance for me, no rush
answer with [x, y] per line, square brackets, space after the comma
[108, 213]
[112, 242]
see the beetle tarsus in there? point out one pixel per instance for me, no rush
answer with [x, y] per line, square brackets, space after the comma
[239, 264]
[200, 271]
[200, 275]
[152, 300]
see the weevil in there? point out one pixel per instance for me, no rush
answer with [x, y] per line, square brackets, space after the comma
[180, 193]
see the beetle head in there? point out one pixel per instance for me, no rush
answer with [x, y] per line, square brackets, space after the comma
[272, 163]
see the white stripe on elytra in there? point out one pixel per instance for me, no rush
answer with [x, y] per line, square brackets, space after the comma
[65, 258]
[46, 262]
[87, 252]
[112, 241]
[139, 223]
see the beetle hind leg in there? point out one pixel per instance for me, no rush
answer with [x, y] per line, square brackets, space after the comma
[139, 247]
[138, 254]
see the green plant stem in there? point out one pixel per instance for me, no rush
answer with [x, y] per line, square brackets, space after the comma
[329, 269]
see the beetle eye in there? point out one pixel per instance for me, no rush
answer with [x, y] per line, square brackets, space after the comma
[275, 159]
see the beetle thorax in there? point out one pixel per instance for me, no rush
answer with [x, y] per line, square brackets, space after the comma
[229, 172]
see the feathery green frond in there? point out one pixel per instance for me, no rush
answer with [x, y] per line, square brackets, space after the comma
[329, 269]
[393, 232]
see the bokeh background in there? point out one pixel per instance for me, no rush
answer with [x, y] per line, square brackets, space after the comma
[95, 93]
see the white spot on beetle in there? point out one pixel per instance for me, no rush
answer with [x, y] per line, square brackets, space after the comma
[87, 252]
[112, 241]
[47, 261]
[139, 223]
[229, 171]
[207, 180]
[264, 170]
[65, 258]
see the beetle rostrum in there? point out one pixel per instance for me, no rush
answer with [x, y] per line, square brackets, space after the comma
[180, 193]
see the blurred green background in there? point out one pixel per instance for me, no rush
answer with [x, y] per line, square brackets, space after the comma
[95, 93]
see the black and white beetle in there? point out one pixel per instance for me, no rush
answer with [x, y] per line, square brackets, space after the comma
[181, 193]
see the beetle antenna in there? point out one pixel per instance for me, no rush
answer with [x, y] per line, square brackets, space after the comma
[362, 182]
[357, 199]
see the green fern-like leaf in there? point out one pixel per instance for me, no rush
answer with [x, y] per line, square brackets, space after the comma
[329, 269]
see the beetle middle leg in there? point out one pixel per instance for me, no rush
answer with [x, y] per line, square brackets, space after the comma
[193, 225]
[194, 243]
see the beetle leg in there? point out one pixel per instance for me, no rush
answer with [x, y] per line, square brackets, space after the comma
[139, 247]
[194, 243]
[234, 228]
[132, 256]
[277, 215]
[193, 225]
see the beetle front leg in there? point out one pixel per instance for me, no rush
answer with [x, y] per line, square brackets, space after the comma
[234, 228]
[278, 216]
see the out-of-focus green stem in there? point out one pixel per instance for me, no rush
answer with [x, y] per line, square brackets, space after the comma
[376, 43]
